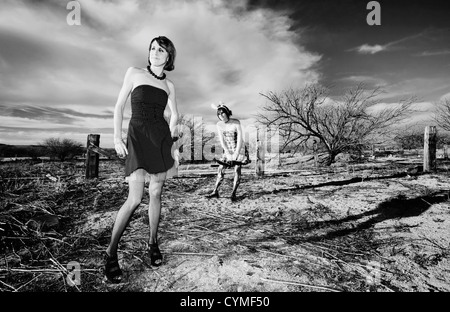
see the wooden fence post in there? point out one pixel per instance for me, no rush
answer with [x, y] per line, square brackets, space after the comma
[316, 157]
[429, 149]
[260, 151]
[92, 158]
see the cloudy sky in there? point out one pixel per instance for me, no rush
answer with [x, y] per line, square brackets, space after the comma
[61, 80]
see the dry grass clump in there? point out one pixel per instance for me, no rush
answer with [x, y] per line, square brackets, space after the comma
[41, 207]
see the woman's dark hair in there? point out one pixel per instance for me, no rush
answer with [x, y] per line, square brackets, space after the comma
[223, 108]
[169, 47]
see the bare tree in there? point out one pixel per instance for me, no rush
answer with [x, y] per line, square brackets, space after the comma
[62, 148]
[340, 126]
[442, 116]
[410, 138]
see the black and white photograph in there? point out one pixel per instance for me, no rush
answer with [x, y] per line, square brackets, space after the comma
[224, 150]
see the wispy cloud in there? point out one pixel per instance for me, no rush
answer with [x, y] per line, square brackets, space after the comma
[410, 87]
[421, 113]
[376, 48]
[367, 80]
[371, 49]
[433, 53]
[59, 115]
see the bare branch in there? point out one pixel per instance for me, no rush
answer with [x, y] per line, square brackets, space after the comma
[442, 114]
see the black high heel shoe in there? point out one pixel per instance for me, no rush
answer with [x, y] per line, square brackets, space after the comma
[155, 255]
[112, 271]
[213, 195]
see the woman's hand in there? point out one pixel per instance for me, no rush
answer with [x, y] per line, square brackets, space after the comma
[174, 135]
[120, 148]
[228, 156]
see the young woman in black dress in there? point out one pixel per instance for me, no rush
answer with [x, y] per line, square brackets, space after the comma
[148, 145]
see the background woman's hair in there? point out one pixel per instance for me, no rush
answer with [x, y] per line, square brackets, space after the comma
[169, 47]
[226, 110]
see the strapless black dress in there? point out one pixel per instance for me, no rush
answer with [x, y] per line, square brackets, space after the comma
[149, 141]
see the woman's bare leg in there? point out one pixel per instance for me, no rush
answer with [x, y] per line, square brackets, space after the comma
[220, 177]
[237, 180]
[154, 209]
[135, 192]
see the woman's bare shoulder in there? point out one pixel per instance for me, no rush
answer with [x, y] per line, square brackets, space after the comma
[139, 70]
[170, 85]
[235, 121]
[132, 71]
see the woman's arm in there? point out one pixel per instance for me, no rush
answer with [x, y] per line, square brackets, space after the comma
[118, 112]
[222, 140]
[172, 102]
[239, 140]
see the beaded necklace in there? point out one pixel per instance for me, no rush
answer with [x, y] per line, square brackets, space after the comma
[154, 75]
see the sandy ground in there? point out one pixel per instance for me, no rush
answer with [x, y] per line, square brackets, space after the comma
[300, 230]
[380, 226]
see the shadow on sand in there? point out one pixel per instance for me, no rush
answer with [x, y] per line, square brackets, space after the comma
[394, 208]
[296, 187]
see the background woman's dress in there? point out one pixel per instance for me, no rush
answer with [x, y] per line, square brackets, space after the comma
[231, 141]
